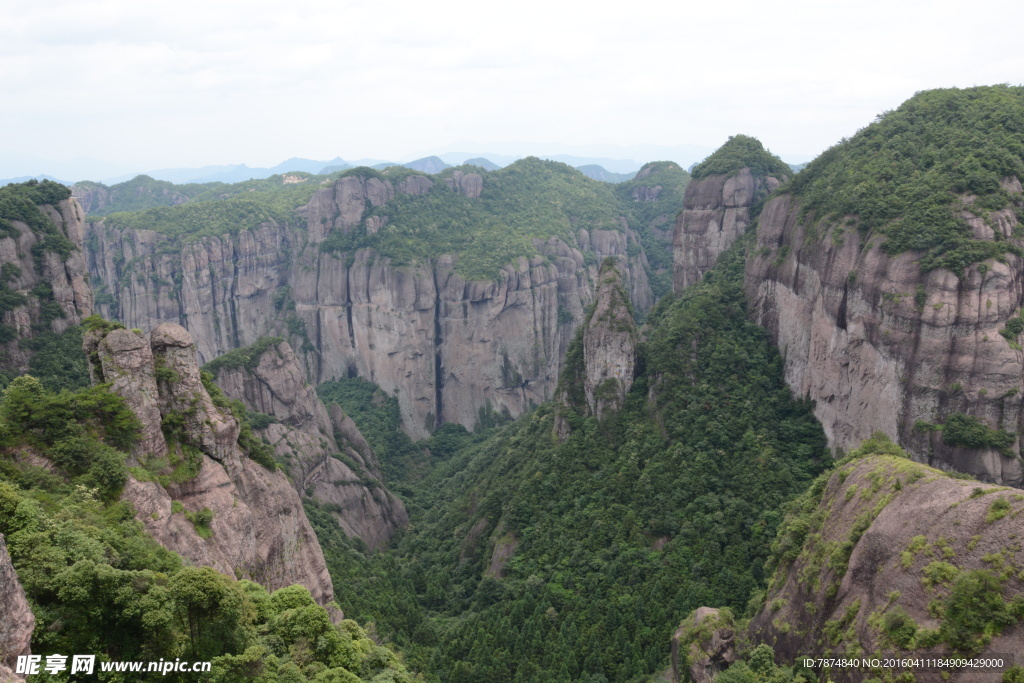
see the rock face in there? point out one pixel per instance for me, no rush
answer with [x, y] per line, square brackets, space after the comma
[68, 298]
[447, 345]
[888, 541]
[142, 190]
[327, 456]
[17, 621]
[879, 345]
[605, 367]
[703, 646]
[609, 347]
[258, 528]
[716, 212]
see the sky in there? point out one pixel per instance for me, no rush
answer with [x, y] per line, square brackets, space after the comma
[110, 86]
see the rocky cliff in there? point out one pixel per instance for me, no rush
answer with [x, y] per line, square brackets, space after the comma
[44, 281]
[192, 485]
[601, 367]
[879, 345]
[895, 298]
[328, 458]
[448, 345]
[887, 555]
[720, 204]
[16, 620]
[716, 212]
[141, 192]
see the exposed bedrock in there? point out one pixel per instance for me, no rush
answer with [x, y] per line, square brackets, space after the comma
[447, 345]
[255, 526]
[328, 458]
[879, 345]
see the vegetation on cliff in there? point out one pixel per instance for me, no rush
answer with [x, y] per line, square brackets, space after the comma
[98, 584]
[912, 173]
[530, 199]
[739, 152]
[534, 560]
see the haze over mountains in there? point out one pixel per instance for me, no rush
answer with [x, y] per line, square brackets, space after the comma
[614, 164]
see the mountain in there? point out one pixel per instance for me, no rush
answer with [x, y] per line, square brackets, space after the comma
[44, 288]
[575, 557]
[360, 280]
[599, 173]
[724, 197]
[328, 459]
[234, 173]
[881, 555]
[427, 165]
[26, 178]
[141, 192]
[483, 163]
[194, 451]
[887, 270]
[528, 456]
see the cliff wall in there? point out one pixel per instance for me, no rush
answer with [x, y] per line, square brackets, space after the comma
[880, 345]
[16, 621]
[447, 345]
[888, 556]
[44, 281]
[716, 212]
[328, 458]
[192, 485]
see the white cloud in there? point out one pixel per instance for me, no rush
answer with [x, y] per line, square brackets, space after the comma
[224, 81]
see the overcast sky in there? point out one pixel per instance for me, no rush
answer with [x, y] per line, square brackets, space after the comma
[150, 85]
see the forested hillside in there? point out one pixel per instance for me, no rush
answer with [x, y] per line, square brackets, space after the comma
[529, 559]
[98, 584]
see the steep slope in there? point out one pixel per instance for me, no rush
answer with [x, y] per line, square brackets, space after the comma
[359, 275]
[600, 365]
[655, 196]
[326, 456]
[889, 274]
[887, 555]
[17, 622]
[141, 192]
[535, 559]
[192, 485]
[44, 286]
[719, 204]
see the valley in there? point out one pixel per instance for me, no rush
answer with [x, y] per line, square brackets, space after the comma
[521, 424]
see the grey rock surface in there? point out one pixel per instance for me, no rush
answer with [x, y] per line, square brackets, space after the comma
[16, 619]
[259, 530]
[328, 458]
[447, 345]
[879, 345]
[716, 212]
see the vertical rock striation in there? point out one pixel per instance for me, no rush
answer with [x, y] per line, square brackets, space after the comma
[447, 345]
[609, 347]
[256, 528]
[46, 289]
[880, 345]
[328, 458]
[716, 212]
[600, 370]
[16, 619]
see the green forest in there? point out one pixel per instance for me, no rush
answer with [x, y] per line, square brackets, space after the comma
[528, 200]
[909, 174]
[98, 584]
[739, 152]
[615, 535]
[533, 554]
